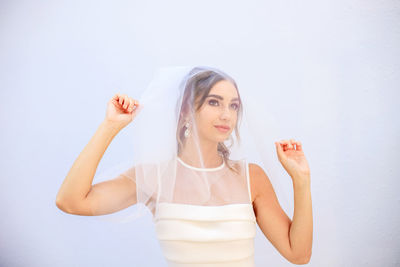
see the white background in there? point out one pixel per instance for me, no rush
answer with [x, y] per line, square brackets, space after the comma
[328, 70]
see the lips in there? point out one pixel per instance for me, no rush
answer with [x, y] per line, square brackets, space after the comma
[223, 127]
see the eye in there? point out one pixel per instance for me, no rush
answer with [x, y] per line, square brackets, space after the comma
[213, 102]
[235, 106]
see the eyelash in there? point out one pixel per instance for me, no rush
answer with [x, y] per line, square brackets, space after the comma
[213, 100]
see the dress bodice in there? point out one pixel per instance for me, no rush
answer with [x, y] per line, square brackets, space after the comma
[192, 235]
[207, 235]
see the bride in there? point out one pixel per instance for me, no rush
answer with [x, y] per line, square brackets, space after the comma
[187, 177]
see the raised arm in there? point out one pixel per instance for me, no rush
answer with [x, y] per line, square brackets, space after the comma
[76, 194]
[292, 238]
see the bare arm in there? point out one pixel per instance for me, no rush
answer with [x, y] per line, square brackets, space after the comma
[76, 194]
[292, 239]
[301, 228]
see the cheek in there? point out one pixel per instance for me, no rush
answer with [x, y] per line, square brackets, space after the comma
[234, 117]
[207, 115]
[204, 119]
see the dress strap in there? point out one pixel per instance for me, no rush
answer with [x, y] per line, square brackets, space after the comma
[158, 188]
[248, 179]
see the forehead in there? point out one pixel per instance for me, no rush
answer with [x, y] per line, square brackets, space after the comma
[224, 88]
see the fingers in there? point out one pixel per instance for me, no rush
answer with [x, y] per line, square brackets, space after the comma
[132, 104]
[290, 144]
[285, 144]
[299, 146]
[126, 102]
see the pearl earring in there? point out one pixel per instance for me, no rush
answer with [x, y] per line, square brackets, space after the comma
[187, 131]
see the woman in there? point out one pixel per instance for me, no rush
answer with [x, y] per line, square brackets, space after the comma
[188, 180]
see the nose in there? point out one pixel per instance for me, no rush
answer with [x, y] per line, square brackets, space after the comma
[225, 114]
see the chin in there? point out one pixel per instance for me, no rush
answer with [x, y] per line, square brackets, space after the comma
[223, 137]
[219, 137]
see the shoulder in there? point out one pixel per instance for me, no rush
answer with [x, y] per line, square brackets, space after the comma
[243, 165]
[259, 180]
[256, 172]
[255, 168]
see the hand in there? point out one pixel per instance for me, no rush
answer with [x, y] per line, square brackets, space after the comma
[292, 158]
[121, 109]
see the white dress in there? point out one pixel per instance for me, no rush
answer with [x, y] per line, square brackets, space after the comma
[197, 235]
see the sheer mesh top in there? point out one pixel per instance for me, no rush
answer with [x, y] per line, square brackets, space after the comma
[210, 220]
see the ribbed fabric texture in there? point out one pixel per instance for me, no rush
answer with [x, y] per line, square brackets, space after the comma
[211, 236]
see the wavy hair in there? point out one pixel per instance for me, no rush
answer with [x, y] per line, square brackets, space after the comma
[197, 87]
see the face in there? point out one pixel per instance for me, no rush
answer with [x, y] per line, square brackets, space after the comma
[220, 108]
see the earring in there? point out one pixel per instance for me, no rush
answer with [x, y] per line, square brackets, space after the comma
[187, 131]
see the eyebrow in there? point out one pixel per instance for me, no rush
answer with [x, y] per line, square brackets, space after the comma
[220, 97]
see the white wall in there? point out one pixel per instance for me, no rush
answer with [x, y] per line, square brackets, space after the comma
[329, 70]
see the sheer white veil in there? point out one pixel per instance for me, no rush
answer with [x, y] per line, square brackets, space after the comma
[171, 159]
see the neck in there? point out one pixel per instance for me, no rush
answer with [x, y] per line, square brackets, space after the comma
[202, 155]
